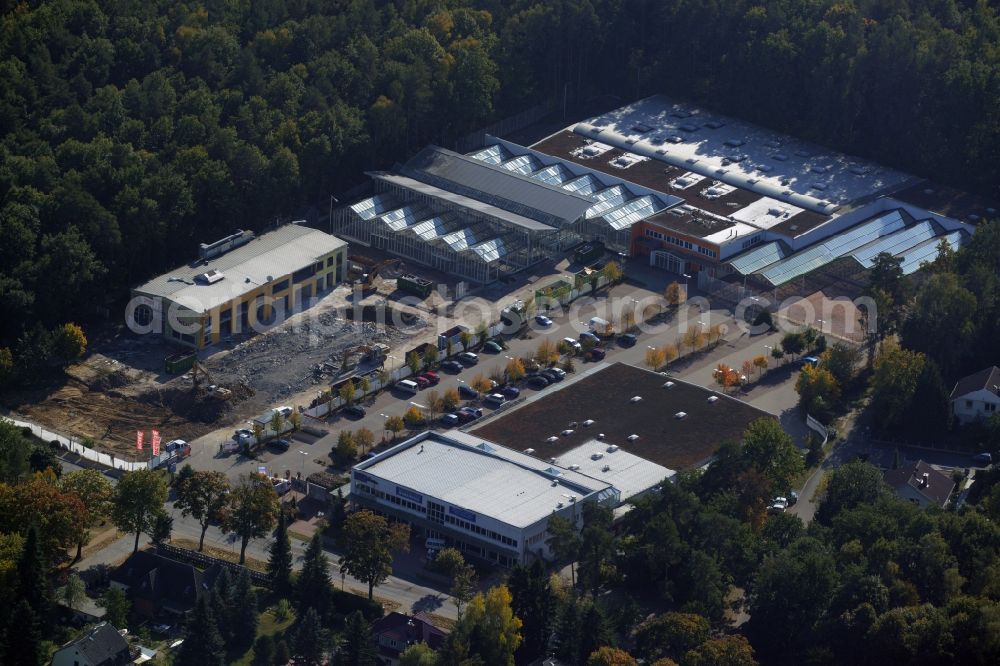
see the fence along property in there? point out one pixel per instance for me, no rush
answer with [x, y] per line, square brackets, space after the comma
[99, 457]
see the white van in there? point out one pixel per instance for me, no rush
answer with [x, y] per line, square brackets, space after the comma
[408, 385]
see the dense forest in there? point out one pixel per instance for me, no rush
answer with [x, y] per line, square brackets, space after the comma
[132, 130]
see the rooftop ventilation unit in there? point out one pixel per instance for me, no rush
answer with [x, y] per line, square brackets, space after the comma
[588, 422]
[735, 143]
[574, 467]
[715, 124]
[635, 398]
[211, 277]
[667, 385]
[818, 186]
[680, 113]
[529, 451]
[566, 433]
[560, 504]
[803, 153]
[606, 468]
[820, 169]
[781, 157]
[223, 245]
[596, 456]
[680, 415]
[551, 439]
[612, 448]
[632, 437]
[688, 127]
[600, 435]
[712, 399]
[673, 138]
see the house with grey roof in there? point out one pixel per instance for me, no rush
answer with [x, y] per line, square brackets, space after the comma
[921, 483]
[101, 646]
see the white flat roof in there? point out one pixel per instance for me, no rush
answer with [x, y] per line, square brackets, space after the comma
[765, 213]
[741, 154]
[245, 268]
[627, 472]
[486, 478]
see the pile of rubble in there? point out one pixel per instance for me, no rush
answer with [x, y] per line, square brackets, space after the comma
[282, 362]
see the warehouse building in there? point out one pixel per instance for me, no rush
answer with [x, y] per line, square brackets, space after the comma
[239, 284]
[694, 191]
[493, 503]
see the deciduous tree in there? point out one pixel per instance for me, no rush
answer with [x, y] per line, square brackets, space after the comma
[202, 495]
[251, 510]
[97, 495]
[69, 342]
[368, 542]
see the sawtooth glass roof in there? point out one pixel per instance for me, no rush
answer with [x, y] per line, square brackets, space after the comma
[896, 243]
[832, 248]
[758, 258]
[631, 212]
[928, 251]
[492, 155]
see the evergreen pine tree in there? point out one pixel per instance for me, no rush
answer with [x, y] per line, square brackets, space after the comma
[282, 655]
[24, 641]
[568, 634]
[311, 639]
[533, 602]
[33, 582]
[263, 651]
[595, 631]
[221, 603]
[203, 645]
[244, 612]
[279, 563]
[314, 581]
[357, 648]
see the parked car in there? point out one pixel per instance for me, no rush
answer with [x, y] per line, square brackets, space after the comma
[511, 392]
[431, 377]
[449, 419]
[982, 458]
[590, 335]
[495, 399]
[452, 366]
[553, 375]
[598, 353]
[475, 411]
[778, 505]
[627, 340]
[280, 444]
[354, 411]
[468, 358]
[492, 346]
[422, 382]
[573, 344]
[242, 435]
[538, 381]
[543, 321]
[466, 391]
[793, 498]
[810, 360]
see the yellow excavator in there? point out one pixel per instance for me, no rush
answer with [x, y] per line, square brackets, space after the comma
[199, 373]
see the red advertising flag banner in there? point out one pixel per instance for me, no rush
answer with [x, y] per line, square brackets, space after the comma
[138, 440]
[156, 442]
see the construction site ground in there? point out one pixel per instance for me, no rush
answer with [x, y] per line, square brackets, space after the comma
[121, 386]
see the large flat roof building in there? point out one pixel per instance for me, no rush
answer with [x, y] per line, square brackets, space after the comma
[694, 190]
[632, 408]
[239, 281]
[486, 499]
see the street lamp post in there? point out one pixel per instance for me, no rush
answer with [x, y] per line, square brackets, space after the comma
[303, 454]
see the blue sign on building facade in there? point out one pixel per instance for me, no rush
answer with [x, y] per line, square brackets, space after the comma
[464, 514]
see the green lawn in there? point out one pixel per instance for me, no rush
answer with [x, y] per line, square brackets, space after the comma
[267, 626]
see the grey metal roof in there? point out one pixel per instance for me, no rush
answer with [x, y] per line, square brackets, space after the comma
[488, 479]
[461, 200]
[271, 255]
[495, 185]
